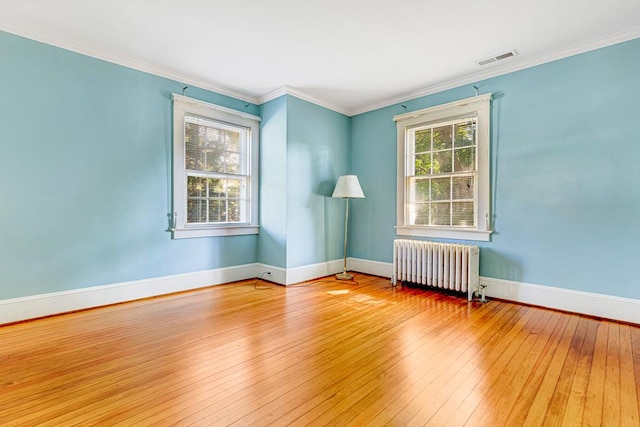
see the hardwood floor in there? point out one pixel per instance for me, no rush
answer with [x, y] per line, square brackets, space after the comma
[322, 353]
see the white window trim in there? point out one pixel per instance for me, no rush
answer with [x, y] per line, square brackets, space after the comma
[183, 105]
[477, 105]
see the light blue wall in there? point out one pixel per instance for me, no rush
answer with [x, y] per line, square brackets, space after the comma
[565, 173]
[305, 148]
[85, 173]
[317, 153]
[272, 241]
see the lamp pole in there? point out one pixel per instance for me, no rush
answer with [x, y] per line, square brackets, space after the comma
[344, 275]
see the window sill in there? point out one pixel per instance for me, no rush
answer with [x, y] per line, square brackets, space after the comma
[445, 233]
[228, 230]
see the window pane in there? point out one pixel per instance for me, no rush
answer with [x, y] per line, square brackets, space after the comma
[465, 134]
[442, 137]
[440, 214]
[212, 149]
[423, 164]
[462, 187]
[217, 211]
[214, 161]
[233, 162]
[421, 190]
[223, 138]
[463, 214]
[214, 138]
[421, 214]
[233, 188]
[196, 186]
[215, 150]
[441, 189]
[418, 190]
[216, 187]
[192, 134]
[442, 162]
[234, 143]
[196, 211]
[233, 214]
[465, 159]
[423, 140]
[194, 145]
[418, 213]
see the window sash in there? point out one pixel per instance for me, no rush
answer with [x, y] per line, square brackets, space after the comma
[454, 202]
[240, 201]
[208, 146]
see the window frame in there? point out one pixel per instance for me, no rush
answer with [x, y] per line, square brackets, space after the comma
[478, 107]
[184, 106]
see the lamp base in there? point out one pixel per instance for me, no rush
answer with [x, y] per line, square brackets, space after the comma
[344, 276]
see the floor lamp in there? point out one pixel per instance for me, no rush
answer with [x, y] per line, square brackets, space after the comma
[347, 188]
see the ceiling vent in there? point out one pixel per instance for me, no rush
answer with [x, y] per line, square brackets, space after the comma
[497, 58]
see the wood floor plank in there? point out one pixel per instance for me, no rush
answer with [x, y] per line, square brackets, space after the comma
[575, 405]
[611, 409]
[532, 387]
[629, 398]
[326, 352]
[594, 399]
[543, 399]
[635, 351]
[562, 390]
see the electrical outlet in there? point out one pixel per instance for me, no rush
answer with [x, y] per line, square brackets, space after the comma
[268, 274]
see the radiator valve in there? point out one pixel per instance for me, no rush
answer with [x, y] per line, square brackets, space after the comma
[483, 292]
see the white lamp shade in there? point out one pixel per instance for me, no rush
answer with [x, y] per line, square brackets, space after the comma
[348, 187]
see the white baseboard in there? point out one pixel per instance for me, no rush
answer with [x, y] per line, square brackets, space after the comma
[31, 307]
[313, 271]
[278, 274]
[376, 268]
[591, 304]
[290, 276]
[18, 309]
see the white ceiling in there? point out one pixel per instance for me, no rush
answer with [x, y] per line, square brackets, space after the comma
[348, 55]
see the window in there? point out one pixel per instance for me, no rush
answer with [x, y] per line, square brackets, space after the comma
[215, 162]
[443, 170]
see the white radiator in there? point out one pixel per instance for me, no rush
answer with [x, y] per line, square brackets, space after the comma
[441, 265]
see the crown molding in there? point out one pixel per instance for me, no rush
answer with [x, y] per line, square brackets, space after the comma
[276, 93]
[288, 90]
[502, 69]
[494, 71]
[130, 63]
